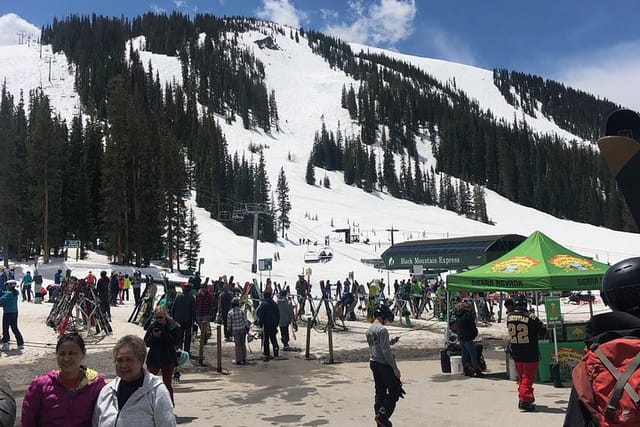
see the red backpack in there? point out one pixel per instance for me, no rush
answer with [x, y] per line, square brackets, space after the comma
[607, 382]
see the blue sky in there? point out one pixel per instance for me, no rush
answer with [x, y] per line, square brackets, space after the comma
[592, 45]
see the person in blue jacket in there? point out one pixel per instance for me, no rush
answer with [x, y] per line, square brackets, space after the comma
[9, 303]
[27, 280]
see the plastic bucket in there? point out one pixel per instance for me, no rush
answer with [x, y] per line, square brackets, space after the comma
[456, 365]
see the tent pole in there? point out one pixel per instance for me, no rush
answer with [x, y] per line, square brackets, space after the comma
[537, 306]
[590, 307]
[555, 345]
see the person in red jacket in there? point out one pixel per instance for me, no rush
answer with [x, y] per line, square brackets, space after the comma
[63, 397]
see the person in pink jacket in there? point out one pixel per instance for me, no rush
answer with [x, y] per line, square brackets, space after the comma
[64, 397]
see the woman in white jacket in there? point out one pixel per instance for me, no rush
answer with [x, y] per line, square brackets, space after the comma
[136, 397]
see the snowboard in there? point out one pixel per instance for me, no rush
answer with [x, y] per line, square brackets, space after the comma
[620, 148]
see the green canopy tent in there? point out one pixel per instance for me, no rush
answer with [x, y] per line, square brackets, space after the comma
[537, 264]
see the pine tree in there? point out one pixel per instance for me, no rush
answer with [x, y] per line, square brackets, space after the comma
[273, 107]
[9, 175]
[310, 176]
[45, 144]
[116, 203]
[284, 205]
[480, 204]
[389, 169]
[76, 222]
[192, 247]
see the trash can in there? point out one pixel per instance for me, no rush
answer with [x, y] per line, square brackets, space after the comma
[456, 365]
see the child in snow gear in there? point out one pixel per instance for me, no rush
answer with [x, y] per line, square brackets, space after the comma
[606, 382]
[524, 329]
[386, 375]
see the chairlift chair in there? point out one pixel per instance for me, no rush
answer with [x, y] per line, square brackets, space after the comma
[224, 216]
[238, 215]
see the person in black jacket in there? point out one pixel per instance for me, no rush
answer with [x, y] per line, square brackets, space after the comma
[269, 317]
[225, 305]
[103, 294]
[113, 289]
[7, 404]
[620, 291]
[164, 340]
[183, 311]
[467, 332]
[524, 329]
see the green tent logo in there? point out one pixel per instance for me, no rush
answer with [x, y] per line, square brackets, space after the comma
[571, 263]
[516, 264]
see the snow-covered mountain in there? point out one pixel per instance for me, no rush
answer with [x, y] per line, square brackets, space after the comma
[14, 30]
[307, 92]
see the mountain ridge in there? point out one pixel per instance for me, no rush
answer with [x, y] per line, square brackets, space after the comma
[308, 95]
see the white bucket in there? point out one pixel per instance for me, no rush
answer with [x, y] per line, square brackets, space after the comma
[511, 368]
[456, 365]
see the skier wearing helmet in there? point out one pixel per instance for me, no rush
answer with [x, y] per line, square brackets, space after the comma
[524, 329]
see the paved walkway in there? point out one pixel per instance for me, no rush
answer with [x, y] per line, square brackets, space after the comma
[296, 392]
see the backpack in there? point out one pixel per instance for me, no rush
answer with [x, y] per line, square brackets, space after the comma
[607, 382]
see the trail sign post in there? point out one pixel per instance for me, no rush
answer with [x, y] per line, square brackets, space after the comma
[265, 264]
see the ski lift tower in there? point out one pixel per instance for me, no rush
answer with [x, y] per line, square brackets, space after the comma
[255, 209]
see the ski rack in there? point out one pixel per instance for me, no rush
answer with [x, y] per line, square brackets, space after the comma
[78, 309]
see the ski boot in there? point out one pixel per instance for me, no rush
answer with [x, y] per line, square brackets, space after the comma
[526, 406]
[383, 421]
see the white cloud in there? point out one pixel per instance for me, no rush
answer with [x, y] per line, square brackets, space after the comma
[383, 23]
[611, 73]
[329, 14]
[11, 24]
[447, 46]
[157, 9]
[282, 12]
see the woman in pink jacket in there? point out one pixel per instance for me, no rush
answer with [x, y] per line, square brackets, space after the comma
[64, 397]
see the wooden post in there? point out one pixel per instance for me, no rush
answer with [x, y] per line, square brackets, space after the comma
[219, 348]
[330, 334]
[307, 350]
[203, 333]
